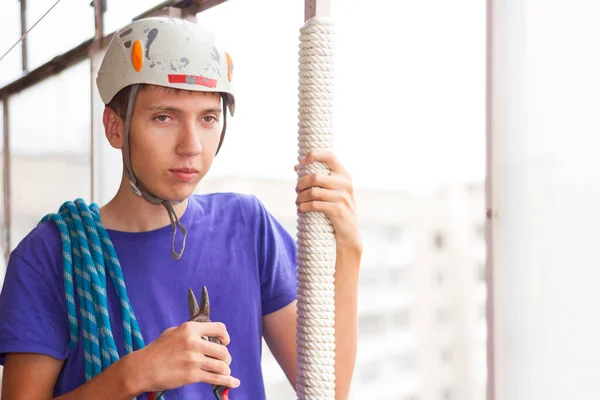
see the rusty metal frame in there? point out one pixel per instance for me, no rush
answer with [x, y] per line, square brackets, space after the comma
[95, 103]
[24, 66]
[88, 49]
[80, 52]
[6, 184]
[180, 8]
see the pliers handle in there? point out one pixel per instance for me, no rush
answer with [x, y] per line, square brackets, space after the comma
[200, 313]
[221, 392]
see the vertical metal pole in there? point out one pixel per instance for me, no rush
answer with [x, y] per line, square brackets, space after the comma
[316, 8]
[24, 41]
[96, 103]
[6, 188]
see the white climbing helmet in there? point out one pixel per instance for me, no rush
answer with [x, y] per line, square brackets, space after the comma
[169, 52]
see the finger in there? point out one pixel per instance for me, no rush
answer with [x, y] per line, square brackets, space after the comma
[216, 379]
[215, 366]
[336, 182]
[216, 351]
[211, 329]
[328, 158]
[331, 210]
[326, 195]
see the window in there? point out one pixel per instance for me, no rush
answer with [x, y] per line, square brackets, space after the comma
[397, 276]
[369, 277]
[393, 233]
[438, 277]
[439, 240]
[370, 372]
[443, 315]
[50, 154]
[403, 361]
[67, 25]
[372, 246]
[401, 319]
[370, 324]
[448, 394]
[394, 246]
[10, 31]
[446, 355]
[480, 232]
[481, 272]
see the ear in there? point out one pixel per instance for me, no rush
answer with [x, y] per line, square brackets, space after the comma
[114, 128]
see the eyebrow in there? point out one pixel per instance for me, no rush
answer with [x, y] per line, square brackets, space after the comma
[159, 107]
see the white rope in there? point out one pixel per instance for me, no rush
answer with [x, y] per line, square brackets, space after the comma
[315, 377]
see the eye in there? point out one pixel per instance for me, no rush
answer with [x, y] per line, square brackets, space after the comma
[209, 119]
[162, 118]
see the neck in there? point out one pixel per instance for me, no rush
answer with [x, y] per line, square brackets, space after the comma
[129, 212]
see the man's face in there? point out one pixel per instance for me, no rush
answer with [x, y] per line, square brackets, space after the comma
[173, 139]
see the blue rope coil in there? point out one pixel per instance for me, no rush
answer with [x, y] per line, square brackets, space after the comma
[88, 253]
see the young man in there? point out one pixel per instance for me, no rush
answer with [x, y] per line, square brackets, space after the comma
[167, 88]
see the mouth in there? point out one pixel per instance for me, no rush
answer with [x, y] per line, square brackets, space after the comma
[184, 174]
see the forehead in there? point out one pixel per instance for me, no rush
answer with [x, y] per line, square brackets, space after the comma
[151, 93]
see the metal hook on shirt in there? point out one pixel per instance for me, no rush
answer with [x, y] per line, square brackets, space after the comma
[175, 223]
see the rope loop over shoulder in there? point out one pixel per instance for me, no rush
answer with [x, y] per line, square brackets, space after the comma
[88, 257]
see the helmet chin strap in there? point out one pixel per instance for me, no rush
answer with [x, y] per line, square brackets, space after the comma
[140, 190]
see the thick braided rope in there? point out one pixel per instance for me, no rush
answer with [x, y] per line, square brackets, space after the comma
[315, 377]
[87, 254]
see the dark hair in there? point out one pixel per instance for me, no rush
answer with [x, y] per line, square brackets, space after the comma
[120, 101]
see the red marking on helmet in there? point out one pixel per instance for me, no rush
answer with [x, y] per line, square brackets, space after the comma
[193, 80]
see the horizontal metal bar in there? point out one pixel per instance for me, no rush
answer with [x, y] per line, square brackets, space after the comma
[52, 67]
[192, 6]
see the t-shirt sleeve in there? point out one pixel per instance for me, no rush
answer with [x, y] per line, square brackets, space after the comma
[277, 262]
[33, 317]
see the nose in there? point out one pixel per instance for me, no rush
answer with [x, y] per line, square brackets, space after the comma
[189, 144]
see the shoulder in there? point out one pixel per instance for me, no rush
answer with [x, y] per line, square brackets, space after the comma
[246, 206]
[37, 260]
[42, 245]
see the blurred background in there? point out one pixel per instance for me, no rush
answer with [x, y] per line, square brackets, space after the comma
[410, 123]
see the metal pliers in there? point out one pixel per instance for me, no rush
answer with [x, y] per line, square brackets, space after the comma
[201, 313]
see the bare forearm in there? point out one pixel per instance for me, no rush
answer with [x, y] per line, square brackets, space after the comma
[346, 311]
[116, 382]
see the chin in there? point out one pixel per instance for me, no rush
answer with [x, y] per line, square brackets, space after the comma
[180, 193]
[175, 194]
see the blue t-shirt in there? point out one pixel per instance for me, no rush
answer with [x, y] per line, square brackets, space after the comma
[234, 247]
